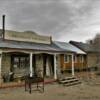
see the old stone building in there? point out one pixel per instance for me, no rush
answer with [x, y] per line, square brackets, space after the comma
[24, 53]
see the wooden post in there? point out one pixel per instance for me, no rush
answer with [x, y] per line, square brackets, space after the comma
[55, 67]
[73, 73]
[31, 67]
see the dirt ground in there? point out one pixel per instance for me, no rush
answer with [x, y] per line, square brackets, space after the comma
[88, 90]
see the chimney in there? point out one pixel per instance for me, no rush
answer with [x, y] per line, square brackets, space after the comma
[3, 27]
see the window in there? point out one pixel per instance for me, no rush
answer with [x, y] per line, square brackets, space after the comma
[16, 62]
[81, 58]
[20, 62]
[23, 62]
[75, 58]
[66, 58]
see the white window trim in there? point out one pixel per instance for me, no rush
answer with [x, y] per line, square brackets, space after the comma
[75, 58]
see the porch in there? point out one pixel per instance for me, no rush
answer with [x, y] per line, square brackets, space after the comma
[16, 64]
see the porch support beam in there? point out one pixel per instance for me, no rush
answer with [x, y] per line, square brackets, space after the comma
[31, 68]
[73, 72]
[55, 66]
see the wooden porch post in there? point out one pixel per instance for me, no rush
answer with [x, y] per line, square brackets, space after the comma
[31, 68]
[73, 73]
[55, 67]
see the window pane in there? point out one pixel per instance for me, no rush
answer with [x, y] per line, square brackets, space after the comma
[22, 62]
[16, 62]
[75, 58]
[27, 62]
[66, 58]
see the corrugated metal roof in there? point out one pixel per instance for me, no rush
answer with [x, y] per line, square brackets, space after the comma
[68, 46]
[31, 46]
[84, 46]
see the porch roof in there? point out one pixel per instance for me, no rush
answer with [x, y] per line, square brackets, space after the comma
[6, 44]
[68, 46]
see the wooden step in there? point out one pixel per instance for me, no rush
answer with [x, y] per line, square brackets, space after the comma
[68, 81]
[66, 78]
[73, 83]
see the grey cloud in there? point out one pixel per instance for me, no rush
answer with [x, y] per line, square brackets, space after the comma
[53, 17]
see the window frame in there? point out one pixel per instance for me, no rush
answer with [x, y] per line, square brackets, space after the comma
[68, 58]
[81, 59]
[20, 62]
[75, 58]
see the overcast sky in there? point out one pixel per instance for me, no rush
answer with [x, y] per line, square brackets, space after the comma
[63, 19]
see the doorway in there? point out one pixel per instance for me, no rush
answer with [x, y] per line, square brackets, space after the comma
[48, 65]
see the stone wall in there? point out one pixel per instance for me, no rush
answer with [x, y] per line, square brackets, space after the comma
[6, 63]
[58, 64]
[91, 60]
[39, 64]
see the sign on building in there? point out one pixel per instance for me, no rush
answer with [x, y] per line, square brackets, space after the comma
[27, 37]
